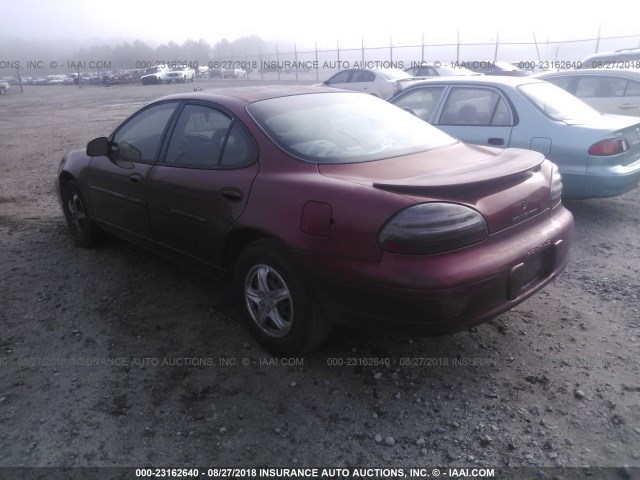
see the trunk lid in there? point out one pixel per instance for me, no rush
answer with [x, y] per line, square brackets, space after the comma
[614, 126]
[508, 186]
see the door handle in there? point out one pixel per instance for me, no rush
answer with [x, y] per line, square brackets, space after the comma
[135, 178]
[231, 194]
[496, 141]
[627, 106]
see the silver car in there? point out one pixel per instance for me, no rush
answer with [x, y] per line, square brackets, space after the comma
[598, 155]
[439, 70]
[608, 91]
[382, 82]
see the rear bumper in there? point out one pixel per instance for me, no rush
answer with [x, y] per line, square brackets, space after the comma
[443, 293]
[611, 181]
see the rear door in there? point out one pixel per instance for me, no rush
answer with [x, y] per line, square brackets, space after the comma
[476, 114]
[202, 182]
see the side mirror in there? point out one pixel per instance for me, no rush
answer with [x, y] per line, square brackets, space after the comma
[98, 147]
[326, 82]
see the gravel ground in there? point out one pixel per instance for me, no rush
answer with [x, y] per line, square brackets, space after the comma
[115, 357]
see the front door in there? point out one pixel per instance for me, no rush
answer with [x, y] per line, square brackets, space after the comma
[118, 181]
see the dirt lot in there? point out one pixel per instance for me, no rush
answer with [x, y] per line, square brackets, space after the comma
[114, 357]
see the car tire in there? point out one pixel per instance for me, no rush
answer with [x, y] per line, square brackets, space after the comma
[278, 300]
[84, 231]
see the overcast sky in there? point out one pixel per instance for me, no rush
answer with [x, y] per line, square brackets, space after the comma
[324, 21]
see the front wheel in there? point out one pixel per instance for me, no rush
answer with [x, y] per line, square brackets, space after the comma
[84, 231]
[278, 300]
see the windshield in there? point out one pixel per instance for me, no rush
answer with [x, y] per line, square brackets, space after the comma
[557, 103]
[344, 127]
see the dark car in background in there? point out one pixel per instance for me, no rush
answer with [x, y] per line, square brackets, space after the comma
[313, 200]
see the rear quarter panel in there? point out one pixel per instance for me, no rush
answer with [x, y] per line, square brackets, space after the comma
[284, 186]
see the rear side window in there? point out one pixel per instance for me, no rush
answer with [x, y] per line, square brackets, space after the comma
[207, 138]
[428, 72]
[198, 137]
[475, 106]
[633, 89]
[240, 149]
[340, 77]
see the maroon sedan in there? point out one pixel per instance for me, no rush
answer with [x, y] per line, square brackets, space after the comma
[316, 200]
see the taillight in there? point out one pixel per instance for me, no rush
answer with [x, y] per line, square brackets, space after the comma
[556, 186]
[432, 228]
[610, 146]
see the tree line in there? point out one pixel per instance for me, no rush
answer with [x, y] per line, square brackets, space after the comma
[125, 55]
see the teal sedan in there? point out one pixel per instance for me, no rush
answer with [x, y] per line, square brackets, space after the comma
[597, 154]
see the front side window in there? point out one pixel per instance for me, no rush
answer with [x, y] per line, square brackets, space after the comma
[139, 139]
[475, 106]
[420, 101]
[600, 87]
[362, 76]
[340, 77]
[344, 128]
[633, 89]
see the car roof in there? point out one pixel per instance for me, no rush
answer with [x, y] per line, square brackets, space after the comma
[591, 71]
[252, 94]
[478, 80]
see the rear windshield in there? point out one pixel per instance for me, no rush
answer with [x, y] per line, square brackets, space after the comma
[557, 103]
[344, 127]
[393, 74]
